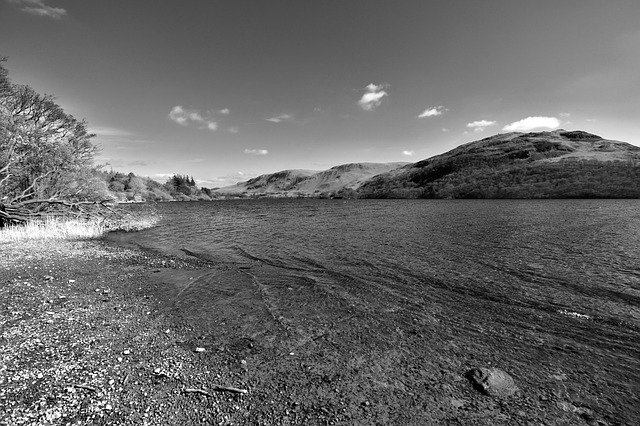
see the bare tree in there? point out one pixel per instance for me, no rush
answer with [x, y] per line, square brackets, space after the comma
[46, 157]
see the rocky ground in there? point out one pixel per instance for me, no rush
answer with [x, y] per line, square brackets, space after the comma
[97, 334]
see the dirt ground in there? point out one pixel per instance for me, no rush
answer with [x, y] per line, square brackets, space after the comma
[97, 334]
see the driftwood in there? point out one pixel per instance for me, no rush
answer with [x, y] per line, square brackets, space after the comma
[216, 388]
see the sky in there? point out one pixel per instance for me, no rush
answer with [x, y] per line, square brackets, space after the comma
[227, 90]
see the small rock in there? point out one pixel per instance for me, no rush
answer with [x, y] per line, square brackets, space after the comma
[492, 381]
[108, 407]
[457, 403]
[200, 349]
[72, 281]
[48, 278]
[126, 352]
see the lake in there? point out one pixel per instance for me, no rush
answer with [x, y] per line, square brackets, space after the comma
[542, 288]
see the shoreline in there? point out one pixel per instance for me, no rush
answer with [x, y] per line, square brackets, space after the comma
[83, 341]
[112, 338]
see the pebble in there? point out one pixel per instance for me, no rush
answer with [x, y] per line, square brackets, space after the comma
[200, 349]
[126, 352]
[492, 381]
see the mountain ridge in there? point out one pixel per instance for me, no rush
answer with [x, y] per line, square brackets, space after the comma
[553, 164]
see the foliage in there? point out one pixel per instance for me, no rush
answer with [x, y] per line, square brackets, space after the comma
[132, 188]
[46, 157]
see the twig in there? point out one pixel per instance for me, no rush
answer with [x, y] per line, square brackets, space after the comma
[85, 387]
[229, 389]
[200, 391]
[216, 388]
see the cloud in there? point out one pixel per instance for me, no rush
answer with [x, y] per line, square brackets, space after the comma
[184, 117]
[39, 8]
[256, 151]
[109, 132]
[408, 153]
[225, 111]
[280, 118]
[433, 111]
[565, 114]
[445, 130]
[480, 125]
[372, 97]
[530, 123]
[233, 130]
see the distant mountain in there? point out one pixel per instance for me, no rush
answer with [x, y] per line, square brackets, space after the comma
[338, 181]
[557, 164]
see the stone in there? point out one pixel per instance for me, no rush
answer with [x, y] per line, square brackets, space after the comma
[492, 381]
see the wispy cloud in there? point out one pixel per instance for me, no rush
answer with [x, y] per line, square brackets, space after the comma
[433, 111]
[185, 117]
[109, 132]
[224, 111]
[233, 130]
[531, 123]
[39, 8]
[480, 125]
[372, 98]
[565, 114]
[256, 151]
[280, 118]
[444, 130]
[408, 153]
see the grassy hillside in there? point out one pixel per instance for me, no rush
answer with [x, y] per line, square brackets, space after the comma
[558, 164]
[340, 180]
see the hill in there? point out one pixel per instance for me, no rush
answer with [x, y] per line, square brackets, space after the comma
[338, 181]
[557, 164]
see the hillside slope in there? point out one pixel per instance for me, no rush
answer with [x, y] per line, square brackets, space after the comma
[557, 164]
[336, 181]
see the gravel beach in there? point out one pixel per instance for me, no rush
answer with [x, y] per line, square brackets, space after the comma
[94, 333]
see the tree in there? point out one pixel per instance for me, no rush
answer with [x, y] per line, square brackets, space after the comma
[46, 156]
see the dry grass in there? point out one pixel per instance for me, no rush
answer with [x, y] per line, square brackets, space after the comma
[54, 229]
[73, 229]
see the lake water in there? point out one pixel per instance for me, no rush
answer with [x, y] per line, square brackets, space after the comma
[577, 255]
[535, 286]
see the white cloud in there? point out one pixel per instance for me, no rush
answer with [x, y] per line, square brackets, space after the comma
[225, 111]
[445, 130]
[408, 153]
[565, 114]
[233, 130]
[480, 125]
[39, 8]
[184, 117]
[531, 123]
[372, 97]
[280, 118]
[256, 151]
[433, 111]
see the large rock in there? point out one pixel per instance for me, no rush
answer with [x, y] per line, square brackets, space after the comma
[492, 381]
